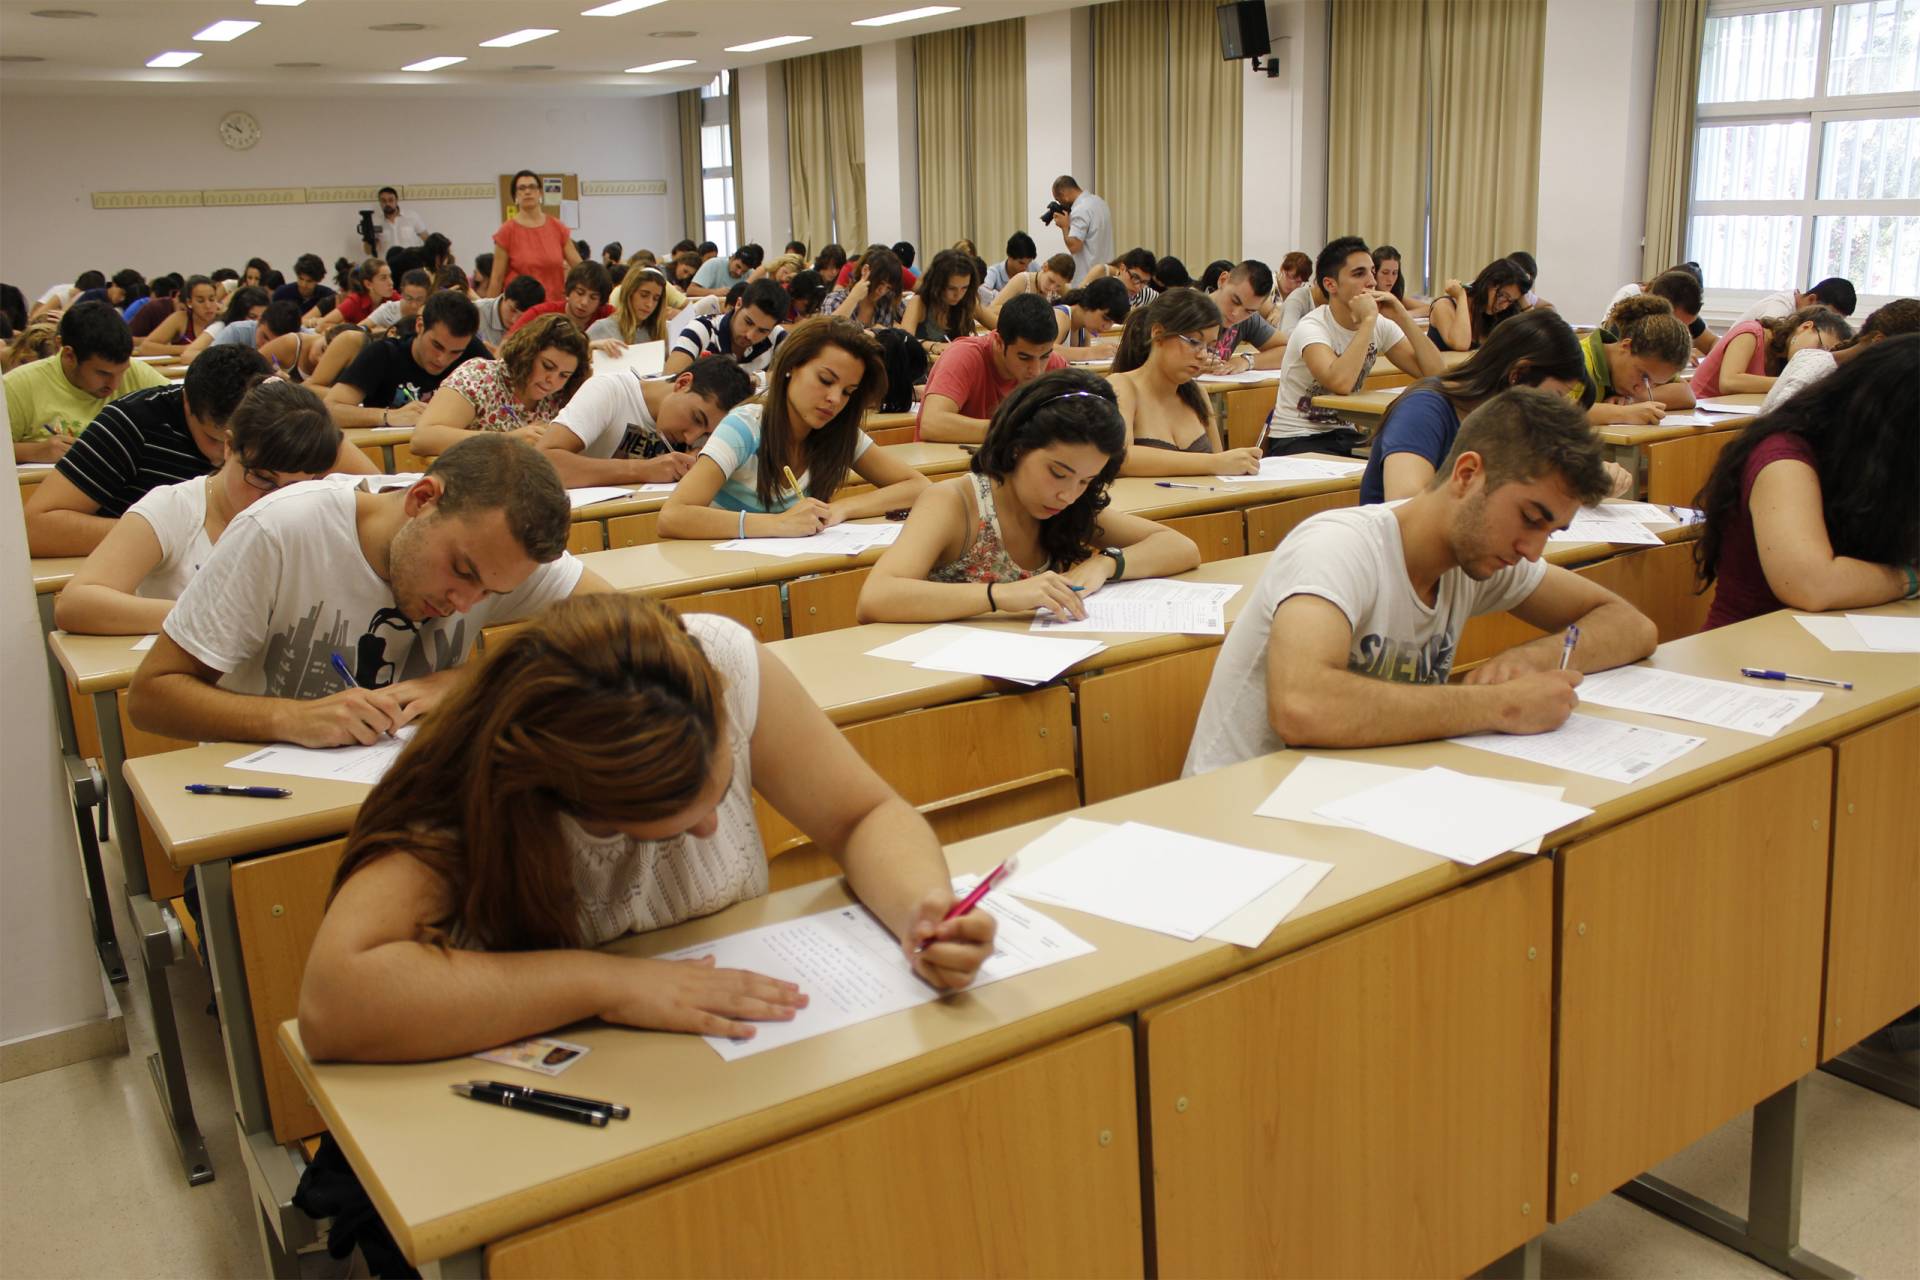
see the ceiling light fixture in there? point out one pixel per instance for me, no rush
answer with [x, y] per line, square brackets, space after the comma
[773, 42]
[526, 35]
[907, 15]
[431, 64]
[65, 13]
[226, 29]
[176, 58]
[652, 67]
[617, 8]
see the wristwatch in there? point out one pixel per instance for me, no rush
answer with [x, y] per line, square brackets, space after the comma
[1119, 562]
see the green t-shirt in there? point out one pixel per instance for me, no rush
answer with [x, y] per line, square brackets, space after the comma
[39, 395]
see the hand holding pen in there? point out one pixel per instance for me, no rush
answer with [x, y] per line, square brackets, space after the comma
[949, 940]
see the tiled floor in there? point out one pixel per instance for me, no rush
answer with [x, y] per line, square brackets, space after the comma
[90, 1187]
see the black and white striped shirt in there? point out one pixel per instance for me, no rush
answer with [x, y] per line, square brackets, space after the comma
[713, 336]
[139, 442]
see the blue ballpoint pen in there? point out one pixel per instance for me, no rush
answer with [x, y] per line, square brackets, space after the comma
[1762, 673]
[340, 669]
[1566, 649]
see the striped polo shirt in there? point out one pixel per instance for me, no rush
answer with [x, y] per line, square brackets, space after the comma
[139, 442]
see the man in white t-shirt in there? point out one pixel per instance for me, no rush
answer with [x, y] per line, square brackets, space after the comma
[1332, 350]
[1087, 226]
[620, 428]
[1833, 292]
[395, 228]
[394, 586]
[1349, 636]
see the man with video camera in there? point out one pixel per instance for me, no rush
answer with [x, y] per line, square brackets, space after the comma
[1084, 221]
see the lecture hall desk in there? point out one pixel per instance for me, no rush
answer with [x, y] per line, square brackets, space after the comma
[1414, 1074]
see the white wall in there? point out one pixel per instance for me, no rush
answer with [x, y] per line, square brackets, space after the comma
[1283, 139]
[890, 113]
[52, 232]
[49, 974]
[1596, 107]
[1059, 116]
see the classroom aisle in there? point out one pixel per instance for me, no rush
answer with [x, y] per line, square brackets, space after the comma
[91, 1186]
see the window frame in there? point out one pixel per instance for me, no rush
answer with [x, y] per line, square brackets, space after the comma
[1818, 111]
[715, 111]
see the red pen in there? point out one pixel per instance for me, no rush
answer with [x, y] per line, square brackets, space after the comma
[993, 878]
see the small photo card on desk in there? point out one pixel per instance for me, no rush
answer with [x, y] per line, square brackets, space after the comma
[542, 1055]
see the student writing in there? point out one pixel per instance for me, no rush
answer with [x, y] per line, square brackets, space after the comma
[1170, 427]
[975, 374]
[542, 364]
[621, 428]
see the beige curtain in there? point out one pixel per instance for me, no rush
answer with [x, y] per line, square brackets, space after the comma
[847, 150]
[1130, 119]
[1203, 125]
[809, 164]
[1485, 60]
[946, 136]
[998, 62]
[1377, 129]
[1676, 88]
[693, 205]
[739, 166]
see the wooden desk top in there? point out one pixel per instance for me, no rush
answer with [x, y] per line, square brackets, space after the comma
[95, 664]
[936, 461]
[50, 573]
[32, 473]
[1619, 433]
[374, 437]
[385, 1115]
[1371, 404]
[1142, 496]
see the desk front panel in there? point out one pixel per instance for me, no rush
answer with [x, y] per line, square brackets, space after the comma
[1375, 1105]
[1691, 943]
[1873, 964]
[1027, 1168]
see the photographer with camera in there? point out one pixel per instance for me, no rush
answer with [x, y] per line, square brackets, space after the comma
[1084, 221]
[392, 229]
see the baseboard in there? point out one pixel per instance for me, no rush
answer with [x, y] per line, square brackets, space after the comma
[103, 1037]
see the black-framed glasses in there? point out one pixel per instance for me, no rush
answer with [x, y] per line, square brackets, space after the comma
[371, 670]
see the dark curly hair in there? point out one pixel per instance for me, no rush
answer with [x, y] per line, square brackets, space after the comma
[1067, 406]
[1862, 412]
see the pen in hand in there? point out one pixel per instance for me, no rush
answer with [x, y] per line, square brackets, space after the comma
[987, 883]
[1566, 648]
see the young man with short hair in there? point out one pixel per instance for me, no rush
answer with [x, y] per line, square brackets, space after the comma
[1021, 251]
[587, 285]
[415, 288]
[1087, 225]
[747, 333]
[309, 288]
[397, 585]
[51, 401]
[620, 428]
[717, 275]
[1834, 293]
[974, 374]
[1333, 349]
[391, 379]
[1240, 296]
[1134, 270]
[500, 313]
[146, 315]
[1349, 636]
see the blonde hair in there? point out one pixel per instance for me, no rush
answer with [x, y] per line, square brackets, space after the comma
[633, 329]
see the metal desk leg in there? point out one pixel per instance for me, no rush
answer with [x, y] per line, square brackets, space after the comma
[470, 1265]
[167, 1067]
[1885, 1075]
[272, 1170]
[62, 709]
[84, 791]
[1520, 1264]
[1770, 1233]
[113, 762]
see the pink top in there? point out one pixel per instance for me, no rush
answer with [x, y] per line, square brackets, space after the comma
[540, 252]
[1741, 589]
[1706, 378]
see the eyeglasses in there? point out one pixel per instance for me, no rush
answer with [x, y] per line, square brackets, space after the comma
[1194, 344]
[371, 670]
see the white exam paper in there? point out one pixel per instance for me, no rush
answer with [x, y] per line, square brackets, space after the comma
[916, 645]
[1319, 780]
[1746, 708]
[331, 764]
[1610, 749]
[1459, 816]
[143, 643]
[586, 497]
[1643, 512]
[643, 358]
[1151, 604]
[1152, 878]
[1887, 634]
[1298, 468]
[1724, 407]
[1005, 655]
[1835, 633]
[840, 540]
[1248, 375]
[1626, 532]
[852, 970]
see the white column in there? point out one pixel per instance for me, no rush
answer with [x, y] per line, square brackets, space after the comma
[1596, 106]
[890, 106]
[1283, 138]
[766, 194]
[1059, 114]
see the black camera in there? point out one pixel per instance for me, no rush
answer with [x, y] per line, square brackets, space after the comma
[366, 229]
[1053, 210]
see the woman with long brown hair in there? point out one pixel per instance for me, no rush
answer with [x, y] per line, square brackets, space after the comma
[594, 777]
[1751, 354]
[1170, 428]
[823, 379]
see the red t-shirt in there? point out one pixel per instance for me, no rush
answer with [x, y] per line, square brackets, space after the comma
[1706, 378]
[852, 269]
[1740, 588]
[965, 373]
[355, 307]
[540, 252]
[548, 308]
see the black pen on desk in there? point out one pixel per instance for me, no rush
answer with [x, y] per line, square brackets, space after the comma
[615, 1110]
[507, 1097]
[1170, 484]
[254, 793]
